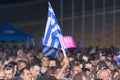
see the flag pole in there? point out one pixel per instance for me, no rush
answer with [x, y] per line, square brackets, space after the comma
[64, 53]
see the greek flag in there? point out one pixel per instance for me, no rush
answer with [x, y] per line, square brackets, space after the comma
[52, 31]
[50, 51]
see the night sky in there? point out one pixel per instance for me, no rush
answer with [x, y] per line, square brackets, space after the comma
[12, 12]
[38, 11]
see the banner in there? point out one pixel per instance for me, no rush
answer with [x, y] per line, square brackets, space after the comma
[67, 42]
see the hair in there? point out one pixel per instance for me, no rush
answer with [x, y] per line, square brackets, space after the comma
[79, 76]
[19, 50]
[97, 75]
[35, 62]
[20, 61]
[101, 64]
[81, 56]
[45, 57]
[85, 69]
[51, 71]
[9, 67]
[118, 78]
[114, 63]
[9, 55]
[22, 71]
[40, 52]
[13, 63]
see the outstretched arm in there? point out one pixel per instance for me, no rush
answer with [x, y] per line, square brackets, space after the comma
[65, 63]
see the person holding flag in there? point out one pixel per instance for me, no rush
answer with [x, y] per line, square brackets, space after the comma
[52, 38]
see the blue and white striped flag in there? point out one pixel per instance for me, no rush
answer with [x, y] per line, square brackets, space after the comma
[52, 31]
[50, 51]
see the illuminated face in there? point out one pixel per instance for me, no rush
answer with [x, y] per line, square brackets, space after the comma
[112, 67]
[26, 75]
[40, 55]
[9, 74]
[78, 55]
[21, 53]
[85, 58]
[61, 56]
[76, 69]
[84, 78]
[105, 75]
[21, 65]
[35, 71]
[45, 62]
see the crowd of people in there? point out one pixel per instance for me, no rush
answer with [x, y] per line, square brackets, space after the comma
[31, 64]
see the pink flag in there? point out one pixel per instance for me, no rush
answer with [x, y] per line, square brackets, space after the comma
[67, 42]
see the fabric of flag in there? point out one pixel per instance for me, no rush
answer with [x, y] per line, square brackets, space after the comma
[52, 31]
[50, 51]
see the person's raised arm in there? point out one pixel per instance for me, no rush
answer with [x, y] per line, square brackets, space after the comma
[65, 63]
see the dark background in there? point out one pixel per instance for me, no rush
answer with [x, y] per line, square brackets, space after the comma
[31, 16]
